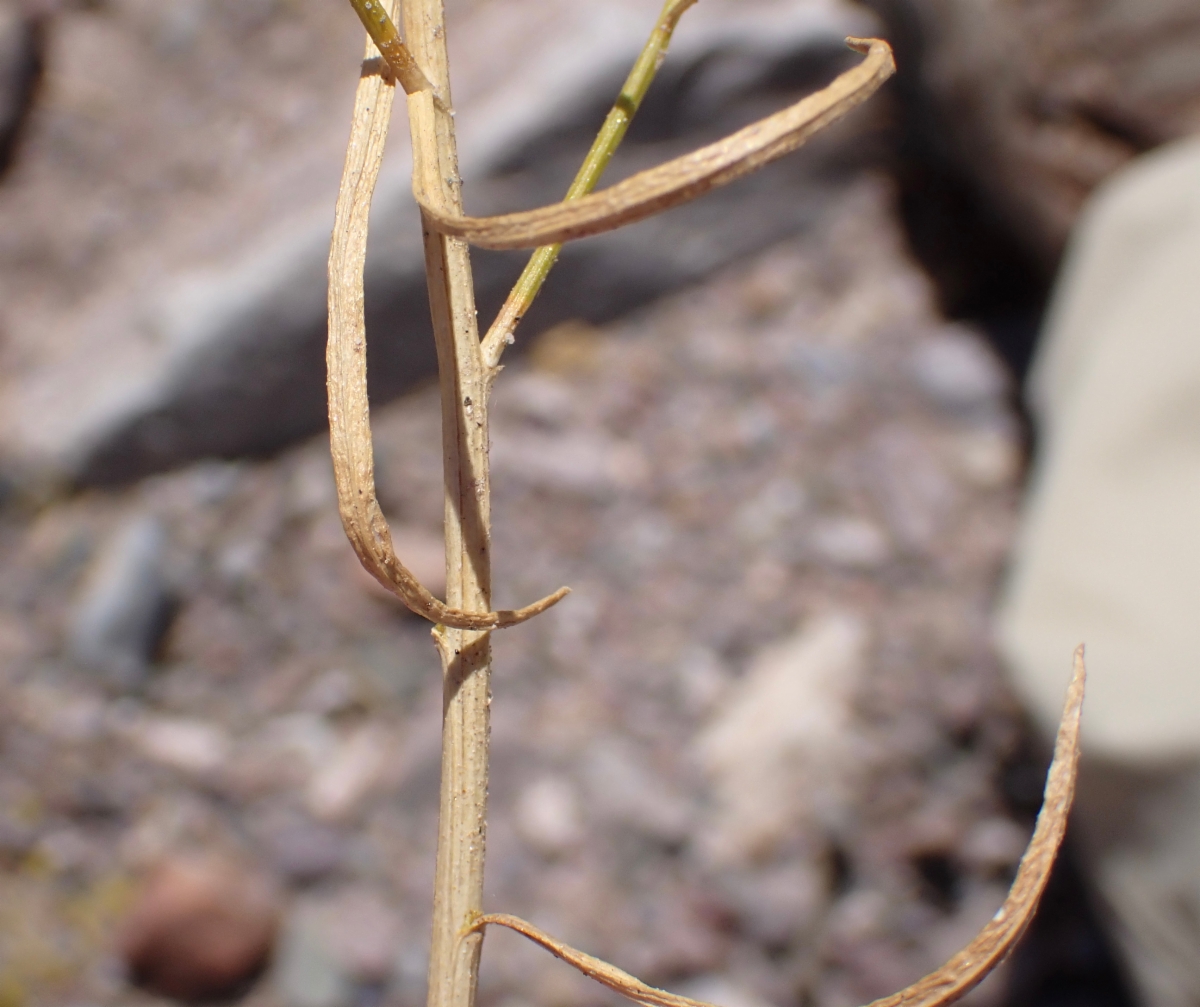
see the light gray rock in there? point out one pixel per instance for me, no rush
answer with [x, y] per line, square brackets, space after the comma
[548, 816]
[227, 358]
[956, 370]
[779, 752]
[334, 949]
[125, 605]
[624, 787]
[849, 541]
[720, 989]
[306, 971]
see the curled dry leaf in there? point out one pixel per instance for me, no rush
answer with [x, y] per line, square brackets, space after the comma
[962, 972]
[346, 359]
[681, 180]
[646, 193]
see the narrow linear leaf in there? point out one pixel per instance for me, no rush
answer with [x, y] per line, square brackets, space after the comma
[681, 180]
[350, 437]
[965, 970]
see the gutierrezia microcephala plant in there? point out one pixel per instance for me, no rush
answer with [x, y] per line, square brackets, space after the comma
[416, 61]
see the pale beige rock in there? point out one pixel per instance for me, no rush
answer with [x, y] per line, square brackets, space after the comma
[192, 745]
[780, 749]
[548, 815]
[1110, 551]
[1110, 554]
[339, 785]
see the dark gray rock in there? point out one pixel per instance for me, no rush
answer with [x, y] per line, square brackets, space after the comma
[1034, 102]
[307, 851]
[126, 605]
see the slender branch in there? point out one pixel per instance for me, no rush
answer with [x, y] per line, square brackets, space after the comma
[616, 123]
[965, 970]
[681, 180]
[382, 30]
[346, 358]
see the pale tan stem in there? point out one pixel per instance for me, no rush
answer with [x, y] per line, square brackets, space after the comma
[466, 655]
[346, 359]
[681, 180]
[965, 970]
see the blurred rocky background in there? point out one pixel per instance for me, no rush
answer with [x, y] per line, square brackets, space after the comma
[764, 754]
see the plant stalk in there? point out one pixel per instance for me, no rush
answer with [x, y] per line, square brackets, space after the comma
[466, 655]
[612, 132]
[396, 54]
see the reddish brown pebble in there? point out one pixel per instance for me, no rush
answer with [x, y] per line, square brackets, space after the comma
[201, 928]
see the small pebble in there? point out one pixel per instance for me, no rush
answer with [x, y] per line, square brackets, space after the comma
[957, 371]
[200, 929]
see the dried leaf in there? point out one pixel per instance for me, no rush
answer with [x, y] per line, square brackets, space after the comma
[965, 970]
[346, 360]
[681, 180]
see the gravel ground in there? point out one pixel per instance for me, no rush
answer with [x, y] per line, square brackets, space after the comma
[756, 756]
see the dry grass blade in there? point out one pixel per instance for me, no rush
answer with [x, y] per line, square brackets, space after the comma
[681, 180]
[970, 966]
[967, 968]
[604, 973]
[346, 360]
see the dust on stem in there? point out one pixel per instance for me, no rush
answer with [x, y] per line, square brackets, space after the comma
[965, 970]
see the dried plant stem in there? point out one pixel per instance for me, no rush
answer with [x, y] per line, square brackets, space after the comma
[399, 59]
[466, 654]
[633, 91]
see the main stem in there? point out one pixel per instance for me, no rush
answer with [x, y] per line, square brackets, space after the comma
[466, 656]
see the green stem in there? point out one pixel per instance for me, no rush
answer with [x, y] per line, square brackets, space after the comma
[529, 285]
[386, 37]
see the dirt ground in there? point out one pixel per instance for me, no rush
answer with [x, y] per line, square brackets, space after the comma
[758, 755]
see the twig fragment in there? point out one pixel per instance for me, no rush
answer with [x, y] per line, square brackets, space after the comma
[679, 181]
[612, 132]
[346, 360]
[965, 970]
